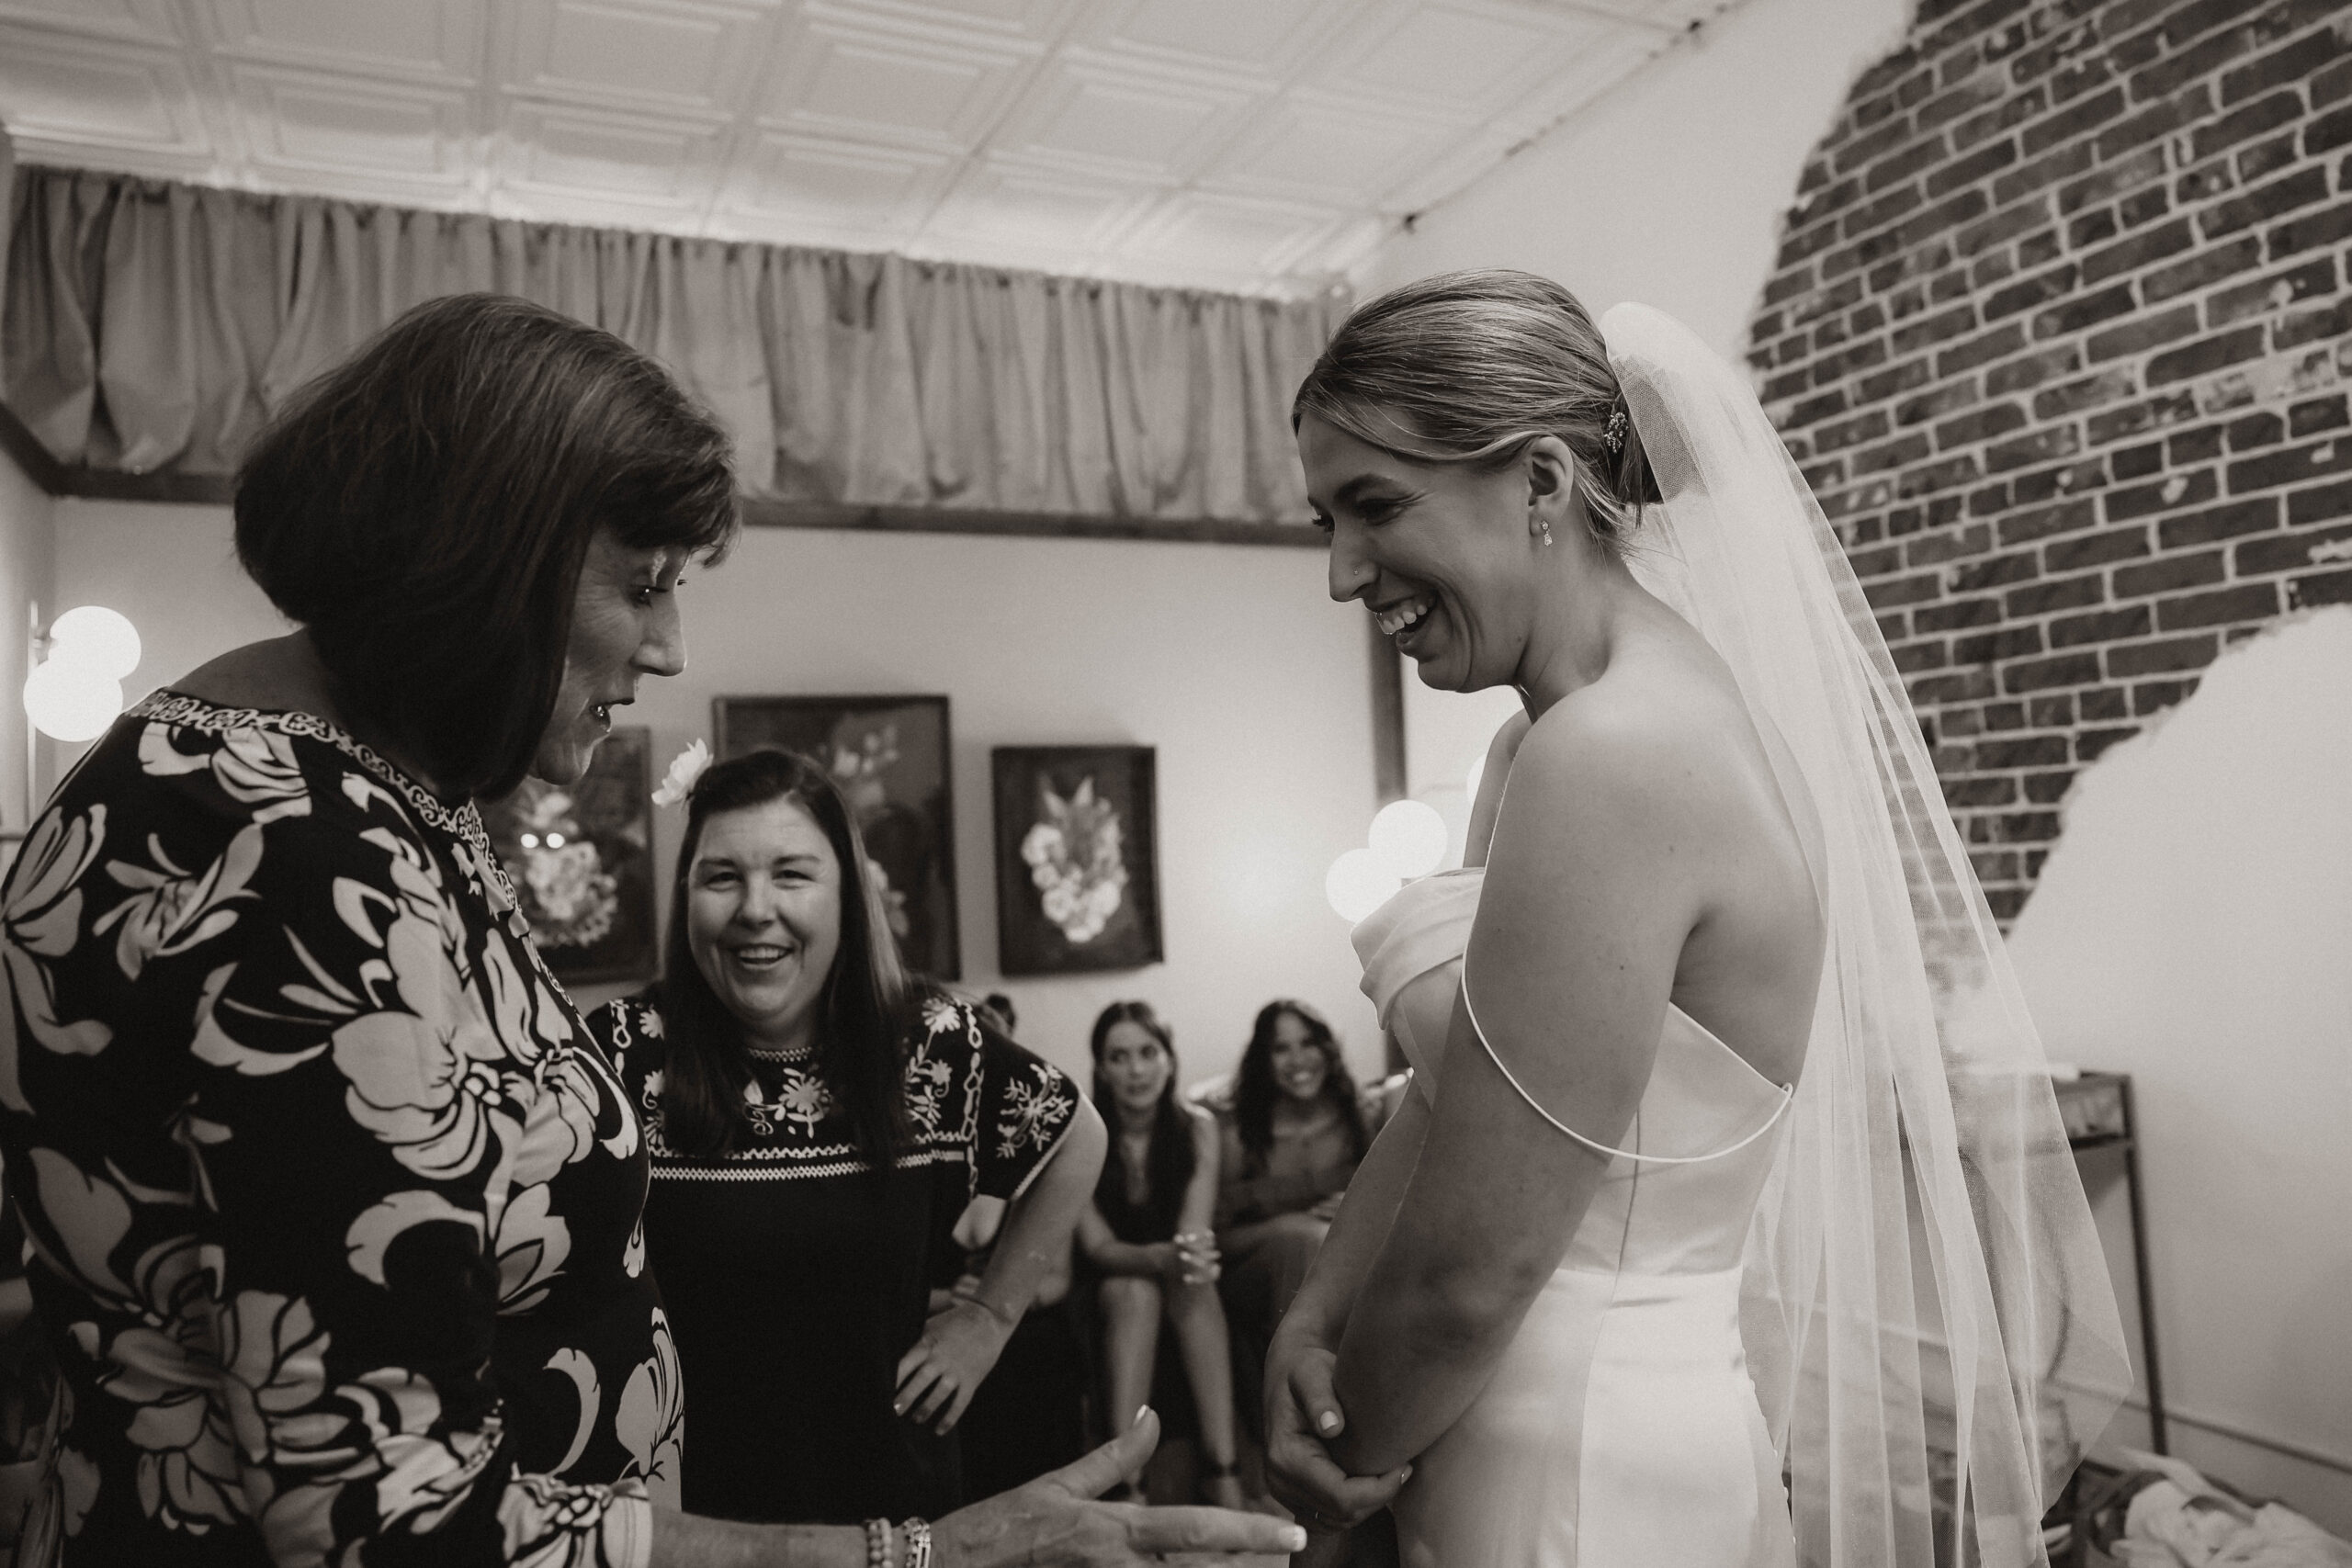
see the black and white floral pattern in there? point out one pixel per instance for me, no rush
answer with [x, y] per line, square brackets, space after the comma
[335, 1219]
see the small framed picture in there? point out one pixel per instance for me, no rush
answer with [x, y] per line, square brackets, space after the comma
[1077, 859]
[581, 857]
[890, 757]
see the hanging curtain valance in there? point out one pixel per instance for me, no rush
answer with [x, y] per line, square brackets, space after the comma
[149, 327]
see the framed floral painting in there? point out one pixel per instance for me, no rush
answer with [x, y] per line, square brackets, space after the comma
[582, 861]
[1077, 858]
[890, 756]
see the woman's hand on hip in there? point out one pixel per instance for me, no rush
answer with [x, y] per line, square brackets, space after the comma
[1054, 1522]
[939, 1376]
[1302, 1416]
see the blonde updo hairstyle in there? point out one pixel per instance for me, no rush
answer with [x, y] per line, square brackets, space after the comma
[1470, 367]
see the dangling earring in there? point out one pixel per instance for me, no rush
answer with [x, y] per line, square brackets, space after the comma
[1545, 529]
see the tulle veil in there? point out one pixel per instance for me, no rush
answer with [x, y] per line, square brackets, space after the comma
[1927, 1313]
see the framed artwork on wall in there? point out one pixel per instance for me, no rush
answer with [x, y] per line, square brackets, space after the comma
[581, 858]
[1077, 858]
[890, 756]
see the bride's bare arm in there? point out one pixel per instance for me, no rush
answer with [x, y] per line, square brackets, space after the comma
[1302, 1416]
[1319, 1311]
[1599, 856]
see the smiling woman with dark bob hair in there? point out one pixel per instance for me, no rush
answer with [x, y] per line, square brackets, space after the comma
[334, 1210]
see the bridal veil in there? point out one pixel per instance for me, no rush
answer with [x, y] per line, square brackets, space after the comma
[1927, 1313]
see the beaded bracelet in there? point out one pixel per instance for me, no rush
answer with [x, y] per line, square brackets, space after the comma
[918, 1544]
[878, 1552]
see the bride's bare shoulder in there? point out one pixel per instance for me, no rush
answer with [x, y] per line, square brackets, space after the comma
[1661, 720]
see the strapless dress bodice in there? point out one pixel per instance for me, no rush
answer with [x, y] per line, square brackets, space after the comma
[1684, 1180]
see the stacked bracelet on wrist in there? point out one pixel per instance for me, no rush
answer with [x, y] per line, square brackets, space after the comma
[918, 1544]
[878, 1552]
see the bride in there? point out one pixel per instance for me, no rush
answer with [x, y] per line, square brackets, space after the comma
[1732, 1222]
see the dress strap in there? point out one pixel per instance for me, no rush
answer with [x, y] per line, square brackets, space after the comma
[1787, 1093]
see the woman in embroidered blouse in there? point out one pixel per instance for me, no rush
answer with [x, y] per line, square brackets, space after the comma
[818, 1123]
[335, 1216]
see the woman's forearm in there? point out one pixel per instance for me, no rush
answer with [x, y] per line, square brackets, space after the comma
[1415, 1352]
[1321, 1309]
[690, 1541]
[1036, 1239]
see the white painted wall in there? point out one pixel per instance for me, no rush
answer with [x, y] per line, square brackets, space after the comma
[1232, 662]
[25, 533]
[1670, 189]
[2194, 928]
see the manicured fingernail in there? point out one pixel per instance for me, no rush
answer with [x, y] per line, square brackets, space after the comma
[1327, 1422]
[1141, 1411]
[1295, 1540]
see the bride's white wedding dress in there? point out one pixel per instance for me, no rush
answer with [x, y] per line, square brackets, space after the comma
[1889, 1277]
[1620, 1429]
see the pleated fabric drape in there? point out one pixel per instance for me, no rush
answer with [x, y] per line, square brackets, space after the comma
[150, 327]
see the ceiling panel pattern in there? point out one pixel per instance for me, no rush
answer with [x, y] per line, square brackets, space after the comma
[1261, 146]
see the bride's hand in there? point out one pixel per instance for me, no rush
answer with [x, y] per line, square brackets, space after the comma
[1302, 1416]
[1054, 1521]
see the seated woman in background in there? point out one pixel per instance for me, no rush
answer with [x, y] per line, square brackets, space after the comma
[1148, 1231]
[1293, 1131]
[817, 1121]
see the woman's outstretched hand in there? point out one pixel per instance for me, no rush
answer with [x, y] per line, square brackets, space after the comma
[1055, 1522]
[1302, 1416]
[958, 1348]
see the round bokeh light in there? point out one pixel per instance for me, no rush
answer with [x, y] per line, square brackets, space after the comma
[71, 702]
[1357, 885]
[1408, 839]
[97, 639]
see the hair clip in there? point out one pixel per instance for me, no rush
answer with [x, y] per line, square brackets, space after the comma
[684, 769]
[1612, 434]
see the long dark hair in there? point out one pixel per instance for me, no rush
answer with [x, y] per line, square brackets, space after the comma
[1169, 1164]
[1255, 1091]
[423, 510]
[868, 1003]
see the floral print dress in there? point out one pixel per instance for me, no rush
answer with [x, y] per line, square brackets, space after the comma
[334, 1210]
[798, 1273]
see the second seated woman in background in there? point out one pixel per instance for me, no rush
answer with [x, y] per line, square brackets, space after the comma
[1293, 1130]
[818, 1120]
[1148, 1231]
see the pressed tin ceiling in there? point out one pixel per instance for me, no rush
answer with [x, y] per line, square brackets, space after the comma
[1255, 145]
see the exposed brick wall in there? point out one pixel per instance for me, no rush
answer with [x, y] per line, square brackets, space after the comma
[2061, 331]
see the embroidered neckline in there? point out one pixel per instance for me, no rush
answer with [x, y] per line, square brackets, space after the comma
[464, 823]
[790, 1059]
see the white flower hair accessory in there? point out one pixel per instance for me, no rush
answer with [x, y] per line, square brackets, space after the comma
[684, 769]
